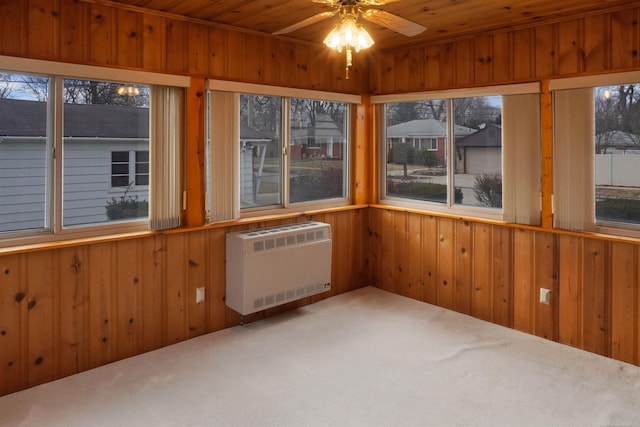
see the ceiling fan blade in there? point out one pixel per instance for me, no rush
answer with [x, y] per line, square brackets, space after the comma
[393, 22]
[329, 2]
[311, 20]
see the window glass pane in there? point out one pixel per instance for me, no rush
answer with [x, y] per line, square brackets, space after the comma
[317, 150]
[23, 152]
[617, 153]
[142, 168]
[104, 125]
[260, 151]
[416, 164]
[478, 151]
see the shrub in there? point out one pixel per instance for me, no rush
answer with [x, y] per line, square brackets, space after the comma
[324, 183]
[488, 190]
[126, 207]
[622, 210]
[421, 191]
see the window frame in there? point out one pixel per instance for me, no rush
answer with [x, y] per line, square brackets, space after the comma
[53, 228]
[530, 214]
[227, 207]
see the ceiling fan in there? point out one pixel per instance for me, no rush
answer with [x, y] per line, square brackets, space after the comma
[348, 33]
[361, 9]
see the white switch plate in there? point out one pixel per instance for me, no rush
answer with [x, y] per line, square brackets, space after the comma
[545, 296]
[199, 295]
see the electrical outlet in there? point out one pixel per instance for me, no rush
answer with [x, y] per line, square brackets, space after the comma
[545, 296]
[199, 295]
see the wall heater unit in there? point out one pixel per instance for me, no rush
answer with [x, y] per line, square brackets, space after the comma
[272, 266]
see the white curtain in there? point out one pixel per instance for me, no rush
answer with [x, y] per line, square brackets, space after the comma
[165, 156]
[224, 153]
[521, 159]
[573, 157]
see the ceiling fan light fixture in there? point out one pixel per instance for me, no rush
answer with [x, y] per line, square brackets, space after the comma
[348, 33]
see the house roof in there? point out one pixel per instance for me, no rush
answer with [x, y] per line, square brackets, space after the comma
[489, 136]
[424, 127]
[29, 118]
[325, 127]
[619, 138]
[248, 133]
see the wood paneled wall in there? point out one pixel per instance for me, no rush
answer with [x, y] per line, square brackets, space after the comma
[495, 273]
[588, 45]
[98, 34]
[67, 310]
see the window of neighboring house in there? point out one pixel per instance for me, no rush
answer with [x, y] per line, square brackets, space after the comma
[75, 152]
[597, 138]
[129, 168]
[464, 172]
[289, 150]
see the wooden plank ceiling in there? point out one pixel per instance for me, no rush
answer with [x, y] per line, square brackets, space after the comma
[444, 19]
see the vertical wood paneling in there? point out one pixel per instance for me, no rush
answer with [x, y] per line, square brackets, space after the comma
[570, 293]
[152, 292]
[624, 39]
[101, 34]
[432, 67]
[218, 312]
[597, 38]
[523, 281]
[523, 57]
[446, 263]
[177, 45]
[462, 271]
[73, 31]
[197, 48]
[13, 24]
[501, 57]
[44, 15]
[374, 242]
[12, 303]
[154, 38]
[102, 319]
[71, 315]
[129, 38]
[387, 254]
[624, 302]
[414, 258]
[465, 65]
[482, 272]
[546, 55]
[596, 297]
[545, 276]
[38, 303]
[502, 276]
[483, 59]
[176, 287]
[196, 278]
[430, 258]
[570, 59]
[127, 298]
[399, 267]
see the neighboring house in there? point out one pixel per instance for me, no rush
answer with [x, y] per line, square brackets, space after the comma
[424, 134]
[480, 152]
[106, 149]
[324, 139]
[253, 150]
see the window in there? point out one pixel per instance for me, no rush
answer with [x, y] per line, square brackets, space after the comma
[597, 132]
[76, 152]
[286, 151]
[449, 151]
[129, 168]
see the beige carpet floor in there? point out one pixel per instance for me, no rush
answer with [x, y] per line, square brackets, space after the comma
[365, 358]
